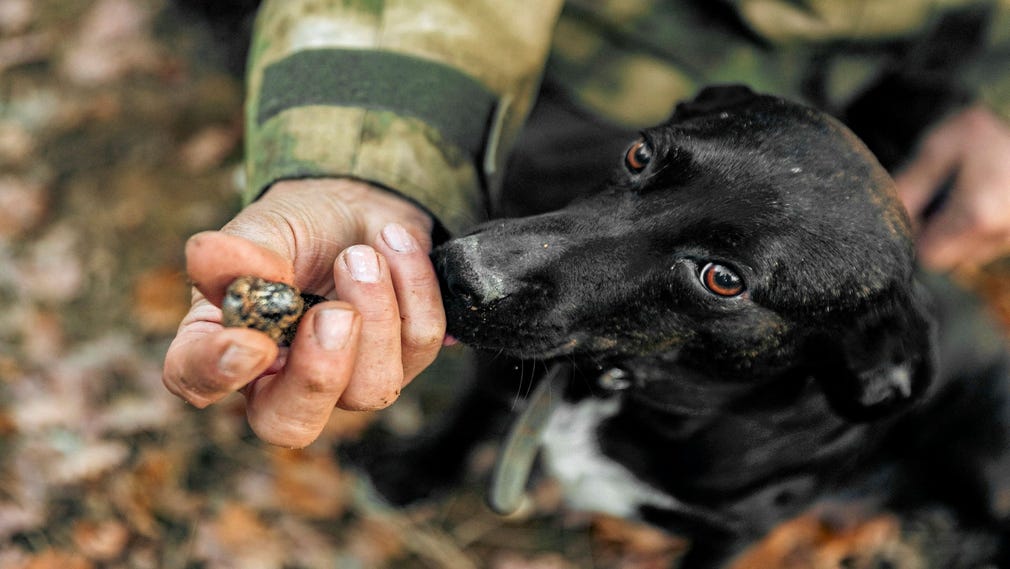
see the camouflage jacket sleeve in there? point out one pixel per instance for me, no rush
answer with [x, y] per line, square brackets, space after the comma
[423, 97]
[990, 73]
[631, 61]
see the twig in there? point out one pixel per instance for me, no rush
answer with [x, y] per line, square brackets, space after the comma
[430, 544]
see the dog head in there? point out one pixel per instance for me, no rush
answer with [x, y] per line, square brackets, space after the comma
[747, 235]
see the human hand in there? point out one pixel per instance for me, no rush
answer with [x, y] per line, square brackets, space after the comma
[973, 227]
[354, 353]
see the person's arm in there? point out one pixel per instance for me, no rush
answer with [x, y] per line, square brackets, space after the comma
[421, 97]
[971, 150]
[346, 181]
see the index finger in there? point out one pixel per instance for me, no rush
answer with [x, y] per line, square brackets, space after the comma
[214, 259]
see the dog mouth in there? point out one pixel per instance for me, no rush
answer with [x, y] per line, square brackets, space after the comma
[479, 328]
[489, 311]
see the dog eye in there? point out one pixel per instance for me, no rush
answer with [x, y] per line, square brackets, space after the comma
[721, 280]
[638, 156]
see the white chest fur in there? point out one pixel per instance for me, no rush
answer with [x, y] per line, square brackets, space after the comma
[592, 481]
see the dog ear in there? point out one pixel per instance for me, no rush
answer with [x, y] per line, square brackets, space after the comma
[713, 99]
[879, 364]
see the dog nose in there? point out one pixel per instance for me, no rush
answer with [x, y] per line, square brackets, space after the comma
[461, 268]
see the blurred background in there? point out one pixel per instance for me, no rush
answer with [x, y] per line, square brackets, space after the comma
[120, 135]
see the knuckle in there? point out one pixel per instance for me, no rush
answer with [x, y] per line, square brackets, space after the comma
[423, 336]
[317, 383]
[285, 435]
[376, 398]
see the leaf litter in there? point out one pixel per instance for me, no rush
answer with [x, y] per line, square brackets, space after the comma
[120, 136]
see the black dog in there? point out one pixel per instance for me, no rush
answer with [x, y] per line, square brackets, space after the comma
[747, 279]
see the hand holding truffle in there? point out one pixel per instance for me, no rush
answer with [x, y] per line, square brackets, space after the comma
[335, 239]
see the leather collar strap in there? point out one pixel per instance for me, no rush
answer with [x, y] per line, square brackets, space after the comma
[458, 105]
[515, 459]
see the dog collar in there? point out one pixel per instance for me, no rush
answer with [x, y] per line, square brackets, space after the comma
[515, 460]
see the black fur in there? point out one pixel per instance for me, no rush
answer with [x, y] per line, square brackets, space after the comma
[823, 378]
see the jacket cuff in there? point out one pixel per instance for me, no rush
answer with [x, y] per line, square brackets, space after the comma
[415, 126]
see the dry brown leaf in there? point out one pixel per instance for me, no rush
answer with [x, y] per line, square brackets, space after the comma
[16, 16]
[16, 518]
[812, 541]
[23, 204]
[89, 461]
[113, 40]
[374, 542]
[57, 560]
[238, 538]
[208, 148]
[632, 545]
[160, 299]
[16, 144]
[27, 48]
[53, 271]
[8, 426]
[100, 541]
[308, 483]
[43, 336]
[542, 561]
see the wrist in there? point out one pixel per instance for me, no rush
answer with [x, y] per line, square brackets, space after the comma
[367, 206]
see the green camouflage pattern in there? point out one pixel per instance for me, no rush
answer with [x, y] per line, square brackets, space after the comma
[632, 60]
[502, 45]
[628, 61]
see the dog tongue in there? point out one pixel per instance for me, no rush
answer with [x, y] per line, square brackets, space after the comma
[449, 341]
[515, 460]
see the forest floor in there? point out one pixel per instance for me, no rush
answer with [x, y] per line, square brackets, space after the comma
[120, 136]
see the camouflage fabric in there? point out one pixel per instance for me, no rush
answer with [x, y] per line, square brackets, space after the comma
[629, 61]
[502, 46]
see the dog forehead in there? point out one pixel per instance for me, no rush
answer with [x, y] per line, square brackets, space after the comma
[779, 157]
[808, 204]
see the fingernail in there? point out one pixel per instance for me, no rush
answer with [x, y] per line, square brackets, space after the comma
[398, 239]
[238, 361]
[333, 327]
[362, 263]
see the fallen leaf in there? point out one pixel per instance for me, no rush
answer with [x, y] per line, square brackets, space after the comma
[374, 543]
[15, 518]
[16, 16]
[43, 336]
[27, 48]
[238, 538]
[817, 541]
[542, 561]
[23, 204]
[100, 541]
[53, 271]
[208, 148]
[89, 461]
[113, 40]
[151, 488]
[57, 560]
[16, 144]
[308, 483]
[161, 298]
[633, 545]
